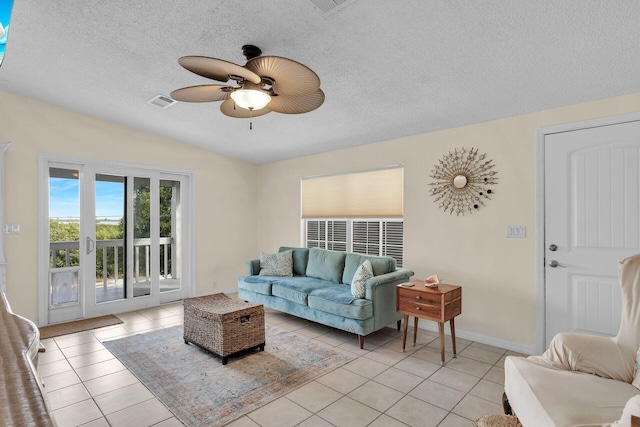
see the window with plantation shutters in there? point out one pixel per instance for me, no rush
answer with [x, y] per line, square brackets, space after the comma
[366, 237]
[327, 234]
[355, 227]
[392, 240]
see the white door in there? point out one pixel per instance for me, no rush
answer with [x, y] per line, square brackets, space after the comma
[592, 221]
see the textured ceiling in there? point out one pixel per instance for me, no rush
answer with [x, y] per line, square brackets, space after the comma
[388, 68]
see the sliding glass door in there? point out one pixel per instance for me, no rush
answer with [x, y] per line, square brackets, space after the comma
[116, 240]
[64, 296]
[110, 249]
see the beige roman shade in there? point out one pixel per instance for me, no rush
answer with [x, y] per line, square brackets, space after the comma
[376, 193]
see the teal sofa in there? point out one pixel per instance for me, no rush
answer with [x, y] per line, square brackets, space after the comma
[320, 290]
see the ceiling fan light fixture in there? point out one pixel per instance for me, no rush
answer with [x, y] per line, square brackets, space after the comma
[265, 84]
[250, 99]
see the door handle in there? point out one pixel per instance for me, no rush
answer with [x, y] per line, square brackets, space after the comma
[553, 264]
[90, 245]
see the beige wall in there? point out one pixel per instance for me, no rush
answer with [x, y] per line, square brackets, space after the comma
[263, 204]
[225, 190]
[497, 274]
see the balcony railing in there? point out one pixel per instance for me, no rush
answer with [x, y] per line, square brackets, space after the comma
[167, 268]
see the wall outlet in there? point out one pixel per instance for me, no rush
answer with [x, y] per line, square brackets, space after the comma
[516, 231]
[215, 284]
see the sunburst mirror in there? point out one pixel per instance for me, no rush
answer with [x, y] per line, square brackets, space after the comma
[462, 181]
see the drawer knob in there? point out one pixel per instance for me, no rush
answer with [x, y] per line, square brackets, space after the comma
[417, 308]
[418, 297]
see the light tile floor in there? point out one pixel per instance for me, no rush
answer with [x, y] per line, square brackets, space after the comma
[383, 387]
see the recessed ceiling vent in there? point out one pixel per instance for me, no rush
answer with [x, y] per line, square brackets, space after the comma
[161, 101]
[331, 6]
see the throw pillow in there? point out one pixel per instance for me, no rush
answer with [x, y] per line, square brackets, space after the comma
[363, 273]
[636, 376]
[280, 264]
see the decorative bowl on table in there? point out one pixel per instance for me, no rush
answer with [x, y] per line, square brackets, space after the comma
[432, 281]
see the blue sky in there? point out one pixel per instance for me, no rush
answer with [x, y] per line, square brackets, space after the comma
[64, 201]
[5, 14]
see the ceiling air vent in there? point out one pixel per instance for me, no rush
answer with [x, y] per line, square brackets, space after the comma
[161, 101]
[330, 6]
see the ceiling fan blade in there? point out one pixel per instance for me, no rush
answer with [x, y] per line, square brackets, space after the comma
[229, 108]
[205, 93]
[296, 104]
[291, 77]
[217, 69]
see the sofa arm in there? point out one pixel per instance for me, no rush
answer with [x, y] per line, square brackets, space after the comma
[253, 267]
[401, 275]
[381, 290]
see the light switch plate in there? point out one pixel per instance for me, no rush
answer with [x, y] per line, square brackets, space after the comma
[516, 231]
[12, 229]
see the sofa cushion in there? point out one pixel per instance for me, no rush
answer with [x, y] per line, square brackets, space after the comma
[325, 264]
[381, 265]
[337, 293]
[327, 300]
[297, 289]
[280, 264]
[257, 284]
[363, 273]
[300, 259]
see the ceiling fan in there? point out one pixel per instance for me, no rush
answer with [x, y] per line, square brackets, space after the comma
[264, 84]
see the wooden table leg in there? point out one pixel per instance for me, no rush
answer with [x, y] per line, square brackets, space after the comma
[453, 336]
[404, 335]
[415, 330]
[441, 332]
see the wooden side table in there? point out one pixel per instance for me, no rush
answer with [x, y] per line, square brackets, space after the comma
[439, 304]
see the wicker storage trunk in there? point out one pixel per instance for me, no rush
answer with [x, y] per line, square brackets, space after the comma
[222, 325]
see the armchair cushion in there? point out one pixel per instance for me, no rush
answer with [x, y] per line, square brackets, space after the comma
[544, 397]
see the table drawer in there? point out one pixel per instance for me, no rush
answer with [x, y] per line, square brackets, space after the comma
[420, 308]
[419, 296]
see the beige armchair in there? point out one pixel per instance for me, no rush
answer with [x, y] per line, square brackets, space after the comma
[582, 379]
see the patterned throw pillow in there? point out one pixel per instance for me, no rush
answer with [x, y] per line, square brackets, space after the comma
[636, 376]
[280, 264]
[363, 273]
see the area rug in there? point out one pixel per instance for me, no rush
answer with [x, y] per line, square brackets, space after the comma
[78, 326]
[200, 391]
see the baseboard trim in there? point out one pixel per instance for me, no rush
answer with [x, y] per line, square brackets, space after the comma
[483, 339]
